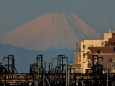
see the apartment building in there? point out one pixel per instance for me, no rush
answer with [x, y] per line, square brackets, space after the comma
[84, 56]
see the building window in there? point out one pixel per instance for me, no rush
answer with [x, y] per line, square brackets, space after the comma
[89, 60]
[99, 51]
[113, 59]
[114, 49]
[79, 58]
[83, 54]
[95, 59]
[84, 46]
[79, 62]
[111, 43]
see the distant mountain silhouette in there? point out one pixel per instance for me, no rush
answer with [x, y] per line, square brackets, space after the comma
[50, 31]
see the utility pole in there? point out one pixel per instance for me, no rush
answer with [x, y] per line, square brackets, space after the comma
[107, 74]
[66, 71]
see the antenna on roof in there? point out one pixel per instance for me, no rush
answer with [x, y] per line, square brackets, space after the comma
[111, 23]
[110, 29]
[97, 37]
[76, 46]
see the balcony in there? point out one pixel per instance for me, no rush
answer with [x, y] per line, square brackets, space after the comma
[76, 65]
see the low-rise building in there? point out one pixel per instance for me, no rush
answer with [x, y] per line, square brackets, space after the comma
[94, 47]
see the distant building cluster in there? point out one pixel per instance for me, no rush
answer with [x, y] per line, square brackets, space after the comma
[92, 52]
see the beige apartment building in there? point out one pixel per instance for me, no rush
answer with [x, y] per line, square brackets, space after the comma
[81, 58]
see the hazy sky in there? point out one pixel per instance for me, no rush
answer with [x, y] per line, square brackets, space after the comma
[97, 13]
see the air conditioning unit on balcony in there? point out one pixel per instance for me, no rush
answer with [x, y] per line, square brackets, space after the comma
[113, 59]
[103, 43]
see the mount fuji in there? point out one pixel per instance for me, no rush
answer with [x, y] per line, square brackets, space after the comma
[50, 31]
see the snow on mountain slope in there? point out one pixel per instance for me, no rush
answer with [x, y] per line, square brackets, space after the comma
[51, 30]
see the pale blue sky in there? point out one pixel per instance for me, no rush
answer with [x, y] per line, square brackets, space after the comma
[97, 13]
